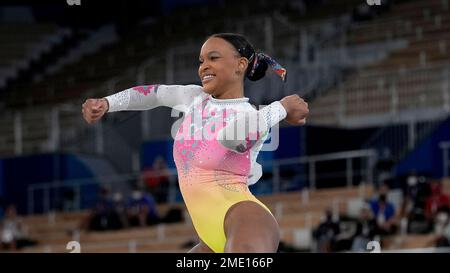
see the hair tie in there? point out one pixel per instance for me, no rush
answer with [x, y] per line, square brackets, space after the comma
[254, 62]
[276, 67]
[255, 57]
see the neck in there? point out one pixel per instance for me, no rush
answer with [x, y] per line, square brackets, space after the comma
[233, 92]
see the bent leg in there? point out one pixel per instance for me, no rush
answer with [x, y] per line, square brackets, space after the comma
[250, 228]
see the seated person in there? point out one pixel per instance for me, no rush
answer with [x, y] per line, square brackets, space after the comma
[141, 209]
[442, 230]
[157, 180]
[326, 232]
[384, 212]
[99, 216]
[437, 202]
[366, 229]
[12, 231]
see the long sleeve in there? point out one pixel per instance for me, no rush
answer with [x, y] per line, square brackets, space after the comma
[250, 127]
[147, 97]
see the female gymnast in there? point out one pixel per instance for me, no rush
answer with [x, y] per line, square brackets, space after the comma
[215, 166]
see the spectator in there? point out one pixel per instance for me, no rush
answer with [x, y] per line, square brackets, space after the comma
[443, 236]
[141, 209]
[325, 234]
[384, 212]
[157, 180]
[99, 217]
[366, 229]
[442, 229]
[416, 195]
[12, 231]
[410, 193]
[118, 217]
[437, 202]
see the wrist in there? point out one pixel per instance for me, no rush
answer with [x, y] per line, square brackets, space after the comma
[285, 107]
[106, 102]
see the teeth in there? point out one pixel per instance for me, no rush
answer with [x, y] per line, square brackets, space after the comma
[207, 77]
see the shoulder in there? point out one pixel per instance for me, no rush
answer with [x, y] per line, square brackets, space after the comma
[250, 107]
[245, 108]
[188, 88]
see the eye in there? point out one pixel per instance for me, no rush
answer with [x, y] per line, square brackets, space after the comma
[214, 58]
[200, 61]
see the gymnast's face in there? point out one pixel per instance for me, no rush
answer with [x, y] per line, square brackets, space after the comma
[221, 67]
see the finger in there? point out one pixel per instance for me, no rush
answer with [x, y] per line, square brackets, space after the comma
[91, 113]
[96, 107]
[96, 110]
[90, 103]
[87, 111]
[98, 103]
[96, 113]
[96, 116]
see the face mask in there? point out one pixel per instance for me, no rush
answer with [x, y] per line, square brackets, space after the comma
[136, 195]
[412, 181]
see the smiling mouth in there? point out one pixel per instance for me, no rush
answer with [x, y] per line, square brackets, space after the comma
[208, 77]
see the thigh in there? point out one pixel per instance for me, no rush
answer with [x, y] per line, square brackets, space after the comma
[249, 227]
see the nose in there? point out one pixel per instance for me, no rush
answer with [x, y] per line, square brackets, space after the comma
[203, 67]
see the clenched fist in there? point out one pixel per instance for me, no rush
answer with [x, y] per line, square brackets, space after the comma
[94, 109]
[296, 108]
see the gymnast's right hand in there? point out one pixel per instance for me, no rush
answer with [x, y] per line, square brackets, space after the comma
[94, 109]
[296, 108]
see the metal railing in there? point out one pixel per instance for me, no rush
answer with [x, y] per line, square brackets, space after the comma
[49, 196]
[396, 140]
[116, 183]
[311, 162]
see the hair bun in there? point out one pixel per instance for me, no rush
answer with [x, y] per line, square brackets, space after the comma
[260, 70]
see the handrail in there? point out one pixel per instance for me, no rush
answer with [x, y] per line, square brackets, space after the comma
[311, 176]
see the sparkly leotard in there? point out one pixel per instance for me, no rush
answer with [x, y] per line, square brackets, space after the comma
[214, 170]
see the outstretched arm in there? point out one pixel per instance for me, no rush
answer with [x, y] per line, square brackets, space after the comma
[249, 128]
[143, 97]
[147, 97]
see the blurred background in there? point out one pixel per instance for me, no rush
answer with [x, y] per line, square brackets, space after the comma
[372, 163]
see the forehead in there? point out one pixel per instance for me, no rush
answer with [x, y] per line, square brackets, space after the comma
[216, 44]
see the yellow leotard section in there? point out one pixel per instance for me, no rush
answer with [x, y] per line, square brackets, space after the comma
[208, 196]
